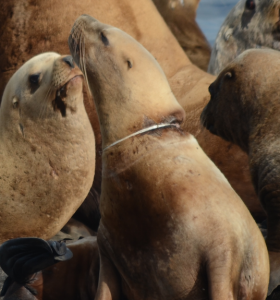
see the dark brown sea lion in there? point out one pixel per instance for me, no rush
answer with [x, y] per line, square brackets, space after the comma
[180, 17]
[244, 110]
[74, 279]
[30, 28]
[47, 148]
[162, 199]
[250, 24]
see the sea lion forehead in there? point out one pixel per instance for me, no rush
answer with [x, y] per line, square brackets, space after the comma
[40, 62]
[252, 57]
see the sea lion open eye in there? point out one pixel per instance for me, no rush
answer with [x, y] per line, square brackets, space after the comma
[34, 78]
[250, 4]
[104, 39]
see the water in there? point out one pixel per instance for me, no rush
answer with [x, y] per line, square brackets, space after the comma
[211, 15]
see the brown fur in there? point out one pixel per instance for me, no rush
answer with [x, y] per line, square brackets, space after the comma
[180, 17]
[160, 192]
[244, 110]
[76, 279]
[47, 149]
[44, 25]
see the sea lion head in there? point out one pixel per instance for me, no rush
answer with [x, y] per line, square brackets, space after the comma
[241, 95]
[122, 74]
[250, 24]
[47, 87]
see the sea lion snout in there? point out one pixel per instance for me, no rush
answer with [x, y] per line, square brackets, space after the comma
[67, 78]
[207, 118]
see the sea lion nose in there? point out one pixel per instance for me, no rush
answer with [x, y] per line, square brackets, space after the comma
[69, 60]
[211, 89]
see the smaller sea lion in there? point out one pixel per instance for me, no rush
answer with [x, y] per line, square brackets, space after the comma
[244, 109]
[162, 201]
[52, 279]
[47, 148]
[250, 24]
[180, 18]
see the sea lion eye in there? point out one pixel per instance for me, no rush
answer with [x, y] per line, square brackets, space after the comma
[104, 39]
[129, 64]
[34, 78]
[250, 4]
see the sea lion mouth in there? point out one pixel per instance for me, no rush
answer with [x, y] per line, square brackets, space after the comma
[205, 122]
[60, 101]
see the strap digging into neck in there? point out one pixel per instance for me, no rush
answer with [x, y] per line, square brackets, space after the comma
[154, 127]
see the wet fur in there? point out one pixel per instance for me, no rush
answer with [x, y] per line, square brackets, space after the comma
[246, 28]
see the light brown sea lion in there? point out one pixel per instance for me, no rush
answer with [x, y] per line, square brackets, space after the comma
[75, 279]
[163, 201]
[180, 17]
[36, 28]
[47, 148]
[244, 110]
[250, 24]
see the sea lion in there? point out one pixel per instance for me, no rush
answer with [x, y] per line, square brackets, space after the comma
[76, 278]
[250, 24]
[180, 18]
[244, 110]
[35, 29]
[47, 147]
[160, 192]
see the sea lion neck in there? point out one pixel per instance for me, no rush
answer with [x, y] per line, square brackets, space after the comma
[264, 162]
[119, 157]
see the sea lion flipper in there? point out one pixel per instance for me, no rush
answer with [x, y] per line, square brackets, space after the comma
[21, 257]
[275, 294]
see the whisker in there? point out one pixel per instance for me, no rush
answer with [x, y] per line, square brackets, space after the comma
[45, 103]
[84, 67]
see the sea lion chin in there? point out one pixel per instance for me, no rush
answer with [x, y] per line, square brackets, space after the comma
[171, 225]
[47, 147]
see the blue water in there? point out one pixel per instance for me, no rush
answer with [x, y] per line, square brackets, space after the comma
[211, 14]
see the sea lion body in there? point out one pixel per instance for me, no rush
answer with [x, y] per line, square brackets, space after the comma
[250, 24]
[248, 98]
[47, 148]
[160, 192]
[180, 17]
[167, 195]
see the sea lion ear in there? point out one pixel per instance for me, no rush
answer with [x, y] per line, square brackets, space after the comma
[22, 257]
[228, 75]
[15, 102]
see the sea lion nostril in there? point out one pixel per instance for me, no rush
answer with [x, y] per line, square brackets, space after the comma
[69, 61]
[211, 89]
